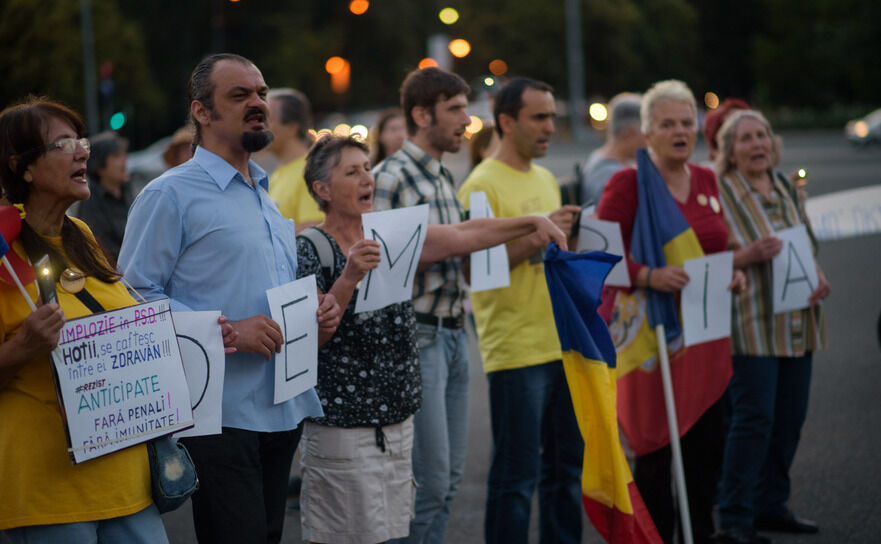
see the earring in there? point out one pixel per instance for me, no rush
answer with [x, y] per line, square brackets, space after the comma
[28, 177]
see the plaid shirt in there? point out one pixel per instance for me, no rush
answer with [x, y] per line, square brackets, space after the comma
[410, 177]
[755, 328]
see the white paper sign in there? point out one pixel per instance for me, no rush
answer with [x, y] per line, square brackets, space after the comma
[293, 306]
[201, 350]
[843, 214]
[489, 267]
[795, 274]
[121, 379]
[401, 234]
[706, 300]
[599, 235]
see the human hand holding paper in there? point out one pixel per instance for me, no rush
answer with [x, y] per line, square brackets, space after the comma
[258, 334]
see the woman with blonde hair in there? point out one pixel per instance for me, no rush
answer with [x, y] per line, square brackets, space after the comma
[772, 352]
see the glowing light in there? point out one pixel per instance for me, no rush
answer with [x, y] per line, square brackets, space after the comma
[341, 129]
[474, 126]
[359, 132]
[323, 133]
[313, 134]
[488, 81]
[45, 271]
[598, 112]
[427, 62]
[711, 99]
[498, 67]
[460, 48]
[448, 16]
[861, 129]
[117, 120]
[358, 6]
[802, 173]
[335, 65]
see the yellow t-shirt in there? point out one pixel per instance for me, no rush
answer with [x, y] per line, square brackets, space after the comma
[288, 189]
[515, 324]
[38, 483]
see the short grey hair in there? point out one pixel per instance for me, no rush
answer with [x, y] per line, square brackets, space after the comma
[294, 107]
[624, 113]
[724, 162]
[321, 159]
[671, 90]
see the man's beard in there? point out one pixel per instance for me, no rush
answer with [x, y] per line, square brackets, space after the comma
[441, 141]
[256, 140]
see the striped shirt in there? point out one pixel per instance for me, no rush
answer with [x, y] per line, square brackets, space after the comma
[756, 330]
[410, 177]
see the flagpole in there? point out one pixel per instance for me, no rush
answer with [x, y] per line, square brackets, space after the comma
[673, 425]
[18, 283]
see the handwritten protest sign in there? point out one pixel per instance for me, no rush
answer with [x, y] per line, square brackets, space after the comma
[599, 235]
[401, 234]
[121, 379]
[794, 271]
[201, 350]
[843, 214]
[706, 300]
[293, 306]
[489, 267]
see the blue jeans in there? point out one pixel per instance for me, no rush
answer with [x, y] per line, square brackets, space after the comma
[769, 398]
[535, 441]
[440, 429]
[144, 527]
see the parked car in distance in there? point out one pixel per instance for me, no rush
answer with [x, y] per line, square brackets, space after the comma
[864, 130]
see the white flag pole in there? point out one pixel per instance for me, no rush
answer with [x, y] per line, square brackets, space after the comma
[673, 425]
[18, 283]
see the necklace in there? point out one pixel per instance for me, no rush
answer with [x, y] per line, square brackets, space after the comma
[73, 280]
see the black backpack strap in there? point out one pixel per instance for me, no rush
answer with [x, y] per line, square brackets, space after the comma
[323, 247]
[89, 301]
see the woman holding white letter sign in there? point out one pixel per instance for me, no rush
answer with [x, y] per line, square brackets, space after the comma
[43, 496]
[772, 352]
[357, 471]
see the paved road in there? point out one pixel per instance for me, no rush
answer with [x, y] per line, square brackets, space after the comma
[837, 476]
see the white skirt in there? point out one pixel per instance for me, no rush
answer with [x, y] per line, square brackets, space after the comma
[353, 492]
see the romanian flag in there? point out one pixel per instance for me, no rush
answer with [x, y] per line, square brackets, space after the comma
[10, 227]
[661, 237]
[609, 494]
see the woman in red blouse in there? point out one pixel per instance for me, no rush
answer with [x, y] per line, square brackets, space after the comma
[669, 124]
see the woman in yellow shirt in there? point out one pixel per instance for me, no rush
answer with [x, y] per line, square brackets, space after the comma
[43, 496]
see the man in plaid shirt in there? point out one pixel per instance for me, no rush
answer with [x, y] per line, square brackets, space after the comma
[434, 104]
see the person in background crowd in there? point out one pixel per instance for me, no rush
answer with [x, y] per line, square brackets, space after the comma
[290, 118]
[388, 135]
[357, 466]
[669, 125]
[535, 434]
[772, 352]
[713, 122]
[434, 102]
[623, 138]
[180, 150]
[106, 210]
[483, 144]
[207, 236]
[43, 496]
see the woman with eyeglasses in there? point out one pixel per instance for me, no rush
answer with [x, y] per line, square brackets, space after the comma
[43, 496]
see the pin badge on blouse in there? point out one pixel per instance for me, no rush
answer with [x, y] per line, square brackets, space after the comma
[73, 280]
[714, 203]
[702, 199]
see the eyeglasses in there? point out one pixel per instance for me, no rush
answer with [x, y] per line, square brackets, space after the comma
[69, 145]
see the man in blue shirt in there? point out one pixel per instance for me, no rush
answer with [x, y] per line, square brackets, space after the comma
[207, 235]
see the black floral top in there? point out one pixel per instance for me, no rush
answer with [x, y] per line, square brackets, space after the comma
[368, 373]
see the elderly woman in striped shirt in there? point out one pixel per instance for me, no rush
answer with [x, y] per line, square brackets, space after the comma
[772, 352]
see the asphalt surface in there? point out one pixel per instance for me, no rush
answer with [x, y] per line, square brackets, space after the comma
[836, 478]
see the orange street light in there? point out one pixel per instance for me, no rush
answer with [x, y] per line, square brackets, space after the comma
[427, 62]
[358, 7]
[498, 67]
[460, 48]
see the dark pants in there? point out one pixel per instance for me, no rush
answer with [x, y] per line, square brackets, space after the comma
[535, 441]
[243, 482]
[769, 398]
[702, 449]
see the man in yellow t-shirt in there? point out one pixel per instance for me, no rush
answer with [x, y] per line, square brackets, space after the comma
[289, 120]
[535, 434]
